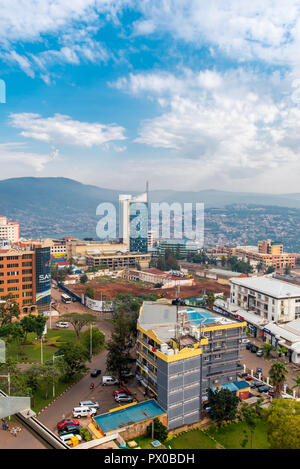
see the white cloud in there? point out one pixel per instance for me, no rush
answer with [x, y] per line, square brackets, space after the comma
[15, 154]
[267, 30]
[234, 121]
[62, 129]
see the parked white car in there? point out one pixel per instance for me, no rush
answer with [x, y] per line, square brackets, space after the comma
[62, 324]
[109, 380]
[83, 411]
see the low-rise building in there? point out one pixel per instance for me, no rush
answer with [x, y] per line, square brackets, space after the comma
[182, 352]
[269, 298]
[117, 260]
[156, 276]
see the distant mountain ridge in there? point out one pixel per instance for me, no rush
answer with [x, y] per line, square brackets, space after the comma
[58, 205]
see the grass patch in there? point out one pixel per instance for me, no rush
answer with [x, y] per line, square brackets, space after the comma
[194, 439]
[232, 435]
[31, 352]
[145, 442]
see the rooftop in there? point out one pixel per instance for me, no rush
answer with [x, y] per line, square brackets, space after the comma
[161, 318]
[129, 415]
[269, 286]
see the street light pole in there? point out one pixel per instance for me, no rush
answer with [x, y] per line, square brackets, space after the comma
[53, 358]
[91, 341]
[41, 349]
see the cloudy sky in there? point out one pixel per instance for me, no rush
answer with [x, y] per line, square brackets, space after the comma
[188, 94]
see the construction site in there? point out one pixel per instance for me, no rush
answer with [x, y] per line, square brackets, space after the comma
[109, 289]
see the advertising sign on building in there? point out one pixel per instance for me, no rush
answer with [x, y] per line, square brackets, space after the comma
[43, 276]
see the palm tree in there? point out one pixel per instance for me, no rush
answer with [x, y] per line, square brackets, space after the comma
[278, 374]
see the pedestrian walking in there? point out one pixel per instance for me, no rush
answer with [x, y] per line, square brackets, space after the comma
[3, 424]
[15, 431]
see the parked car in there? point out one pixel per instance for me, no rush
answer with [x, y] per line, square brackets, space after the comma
[83, 411]
[256, 384]
[68, 436]
[95, 373]
[245, 341]
[75, 429]
[123, 398]
[260, 353]
[62, 324]
[248, 346]
[91, 404]
[249, 378]
[253, 348]
[271, 392]
[66, 423]
[126, 373]
[121, 391]
[109, 380]
[263, 388]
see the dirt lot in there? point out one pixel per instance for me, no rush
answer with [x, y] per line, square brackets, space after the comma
[109, 289]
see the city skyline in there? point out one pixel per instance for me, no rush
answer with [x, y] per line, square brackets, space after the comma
[191, 97]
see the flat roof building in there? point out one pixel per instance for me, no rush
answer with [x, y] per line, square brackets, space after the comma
[182, 352]
[269, 298]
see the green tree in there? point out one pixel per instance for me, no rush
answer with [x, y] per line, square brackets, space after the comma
[98, 340]
[210, 299]
[90, 292]
[270, 270]
[79, 320]
[83, 278]
[9, 309]
[282, 419]
[72, 362]
[160, 432]
[267, 348]
[119, 346]
[278, 373]
[251, 419]
[223, 404]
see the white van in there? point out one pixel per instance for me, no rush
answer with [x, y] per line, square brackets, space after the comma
[109, 380]
[83, 411]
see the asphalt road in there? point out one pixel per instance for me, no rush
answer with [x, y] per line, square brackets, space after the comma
[63, 406]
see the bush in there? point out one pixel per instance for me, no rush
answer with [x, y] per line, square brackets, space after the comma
[160, 431]
[85, 434]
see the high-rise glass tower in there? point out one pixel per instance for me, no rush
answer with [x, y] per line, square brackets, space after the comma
[133, 221]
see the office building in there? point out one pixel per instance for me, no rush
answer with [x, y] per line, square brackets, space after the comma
[117, 260]
[181, 247]
[181, 353]
[134, 234]
[9, 230]
[271, 299]
[25, 274]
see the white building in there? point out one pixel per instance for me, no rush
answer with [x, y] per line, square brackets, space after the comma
[269, 298]
[9, 230]
[125, 201]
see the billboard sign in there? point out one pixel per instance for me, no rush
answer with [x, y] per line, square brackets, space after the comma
[43, 276]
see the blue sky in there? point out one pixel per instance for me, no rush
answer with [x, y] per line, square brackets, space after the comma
[187, 95]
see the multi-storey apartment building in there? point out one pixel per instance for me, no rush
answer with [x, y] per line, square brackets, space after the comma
[9, 230]
[266, 253]
[25, 274]
[269, 298]
[181, 353]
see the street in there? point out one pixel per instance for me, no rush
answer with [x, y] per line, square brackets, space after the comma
[62, 407]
